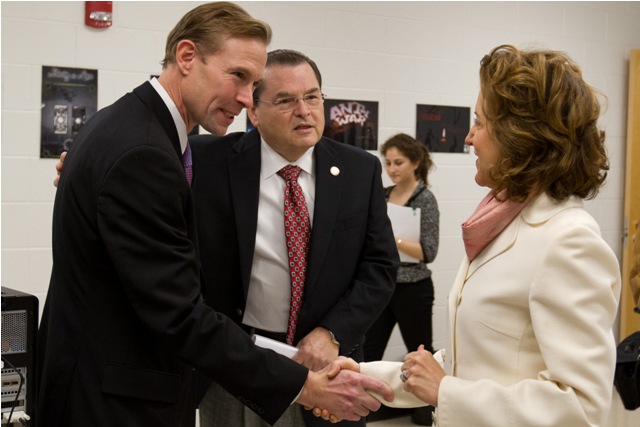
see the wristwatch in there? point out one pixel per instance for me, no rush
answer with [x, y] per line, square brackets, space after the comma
[333, 339]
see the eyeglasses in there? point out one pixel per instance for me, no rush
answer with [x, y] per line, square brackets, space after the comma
[288, 103]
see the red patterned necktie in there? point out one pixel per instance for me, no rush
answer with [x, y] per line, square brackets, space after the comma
[297, 233]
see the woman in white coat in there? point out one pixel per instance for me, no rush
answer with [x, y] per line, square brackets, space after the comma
[532, 307]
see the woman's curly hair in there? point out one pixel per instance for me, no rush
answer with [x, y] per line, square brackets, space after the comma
[414, 151]
[543, 116]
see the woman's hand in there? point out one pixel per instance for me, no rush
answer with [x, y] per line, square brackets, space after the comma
[422, 375]
[59, 168]
[409, 247]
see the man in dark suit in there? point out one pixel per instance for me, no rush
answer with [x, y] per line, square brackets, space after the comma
[125, 324]
[239, 209]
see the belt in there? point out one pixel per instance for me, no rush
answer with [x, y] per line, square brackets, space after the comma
[409, 264]
[278, 336]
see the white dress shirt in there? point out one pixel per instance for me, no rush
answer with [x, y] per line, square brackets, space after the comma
[269, 294]
[175, 114]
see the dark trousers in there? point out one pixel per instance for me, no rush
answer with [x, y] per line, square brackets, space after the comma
[411, 307]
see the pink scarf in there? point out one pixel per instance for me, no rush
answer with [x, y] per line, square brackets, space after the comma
[487, 221]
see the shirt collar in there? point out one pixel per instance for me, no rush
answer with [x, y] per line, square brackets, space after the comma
[272, 162]
[181, 127]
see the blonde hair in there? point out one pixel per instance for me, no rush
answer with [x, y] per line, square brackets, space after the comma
[210, 24]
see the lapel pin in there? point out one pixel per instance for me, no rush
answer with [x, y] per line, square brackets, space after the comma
[334, 171]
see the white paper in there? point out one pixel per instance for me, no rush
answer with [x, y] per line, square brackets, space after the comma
[405, 222]
[277, 346]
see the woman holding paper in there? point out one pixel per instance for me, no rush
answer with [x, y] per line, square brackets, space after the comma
[407, 163]
[532, 307]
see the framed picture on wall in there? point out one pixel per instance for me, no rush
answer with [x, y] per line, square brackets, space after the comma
[352, 122]
[443, 128]
[69, 99]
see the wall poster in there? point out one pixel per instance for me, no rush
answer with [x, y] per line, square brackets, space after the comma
[69, 99]
[352, 122]
[443, 129]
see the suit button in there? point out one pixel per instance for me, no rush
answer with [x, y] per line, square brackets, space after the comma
[239, 311]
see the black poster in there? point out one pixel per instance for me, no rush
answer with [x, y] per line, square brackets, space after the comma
[352, 122]
[443, 129]
[69, 99]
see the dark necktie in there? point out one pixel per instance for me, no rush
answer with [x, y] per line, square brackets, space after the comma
[188, 163]
[297, 233]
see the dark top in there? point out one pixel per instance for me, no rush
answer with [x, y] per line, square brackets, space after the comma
[423, 199]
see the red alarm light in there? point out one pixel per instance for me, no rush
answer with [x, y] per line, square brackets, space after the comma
[98, 14]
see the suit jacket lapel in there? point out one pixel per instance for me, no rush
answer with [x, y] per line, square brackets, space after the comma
[453, 301]
[537, 211]
[328, 193]
[244, 179]
[154, 102]
[501, 243]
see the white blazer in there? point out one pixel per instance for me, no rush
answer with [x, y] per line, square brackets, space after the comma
[530, 318]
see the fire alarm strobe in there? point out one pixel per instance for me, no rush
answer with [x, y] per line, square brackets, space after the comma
[98, 14]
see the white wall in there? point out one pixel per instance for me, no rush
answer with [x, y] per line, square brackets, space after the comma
[397, 53]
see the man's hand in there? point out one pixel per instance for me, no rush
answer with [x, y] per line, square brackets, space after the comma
[423, 375]
[345, 394]
[341, 363]
[59, 168]
[316, 350]
[333, 370]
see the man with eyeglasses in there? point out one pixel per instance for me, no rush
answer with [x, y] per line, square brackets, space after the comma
[239, 199]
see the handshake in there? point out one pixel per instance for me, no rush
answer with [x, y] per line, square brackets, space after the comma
[339, 392]
[360, 389]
